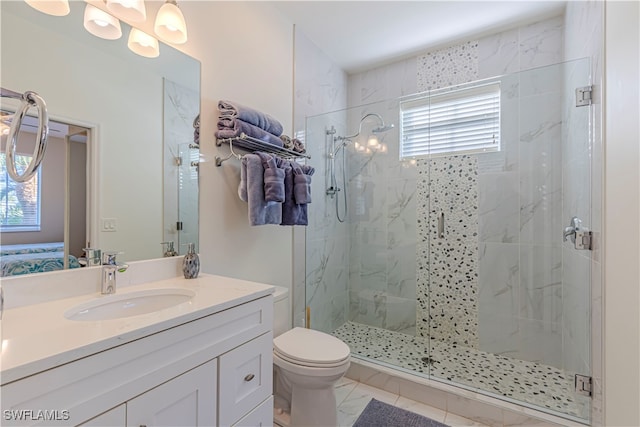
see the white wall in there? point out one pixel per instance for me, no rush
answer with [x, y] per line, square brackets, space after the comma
[622, 215]
[246, 52]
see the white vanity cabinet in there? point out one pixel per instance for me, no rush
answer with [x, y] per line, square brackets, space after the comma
[213, 370]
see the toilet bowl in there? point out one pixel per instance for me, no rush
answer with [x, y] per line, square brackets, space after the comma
[307, 364]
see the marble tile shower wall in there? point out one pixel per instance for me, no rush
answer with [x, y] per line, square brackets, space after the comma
[511, 314]
[320, 86]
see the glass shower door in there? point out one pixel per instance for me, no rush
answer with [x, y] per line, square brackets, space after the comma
[508, 292]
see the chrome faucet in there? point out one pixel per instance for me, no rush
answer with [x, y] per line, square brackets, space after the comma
[109, 268]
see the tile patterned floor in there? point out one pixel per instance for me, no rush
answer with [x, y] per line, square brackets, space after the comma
[352, 397]
[533, 383]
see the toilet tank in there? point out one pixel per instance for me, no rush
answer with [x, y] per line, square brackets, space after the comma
[281, 311]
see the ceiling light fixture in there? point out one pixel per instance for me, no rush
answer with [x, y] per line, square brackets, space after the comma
[143, 44]
[170, 24]
[132, 10]
[101, 24]
[50, 7]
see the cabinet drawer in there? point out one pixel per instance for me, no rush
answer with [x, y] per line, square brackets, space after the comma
[246, 378]
[262, 416]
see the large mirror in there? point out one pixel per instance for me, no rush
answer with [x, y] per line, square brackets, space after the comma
[135, 175]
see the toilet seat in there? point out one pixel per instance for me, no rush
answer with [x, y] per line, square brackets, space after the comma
[306, 347]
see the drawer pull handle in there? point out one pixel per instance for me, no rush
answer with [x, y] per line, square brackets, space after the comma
[249, 377]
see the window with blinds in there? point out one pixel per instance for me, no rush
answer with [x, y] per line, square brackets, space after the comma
[19, 201]
[455, 122]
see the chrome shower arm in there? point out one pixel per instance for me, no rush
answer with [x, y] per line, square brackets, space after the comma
[378, 116]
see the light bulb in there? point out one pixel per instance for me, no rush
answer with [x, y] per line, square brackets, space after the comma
[50, 7]
[372, 141]
[170, 24]
[143, 44]
[101, 24]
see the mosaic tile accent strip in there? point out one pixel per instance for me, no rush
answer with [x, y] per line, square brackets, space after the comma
[448, 294]
[536, 384]
[448, 67]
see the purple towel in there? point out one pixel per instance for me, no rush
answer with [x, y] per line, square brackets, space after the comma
[273, 178]
[292, 213]
[260, 211]
[257, 118]
[234, 128]
[302, 183]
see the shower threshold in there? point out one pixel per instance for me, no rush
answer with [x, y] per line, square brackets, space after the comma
[534, 384]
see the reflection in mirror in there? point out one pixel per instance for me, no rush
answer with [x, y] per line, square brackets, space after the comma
[139, 184]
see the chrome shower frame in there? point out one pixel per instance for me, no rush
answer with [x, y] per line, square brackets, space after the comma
[333, 188]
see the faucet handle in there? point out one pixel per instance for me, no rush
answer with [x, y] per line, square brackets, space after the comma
[93, 256]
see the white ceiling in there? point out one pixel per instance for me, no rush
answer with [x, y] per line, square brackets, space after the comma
[360, 35]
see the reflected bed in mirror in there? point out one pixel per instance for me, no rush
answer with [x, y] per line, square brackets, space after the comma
[140, 178]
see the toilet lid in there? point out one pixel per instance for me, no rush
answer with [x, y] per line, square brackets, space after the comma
[312, 347]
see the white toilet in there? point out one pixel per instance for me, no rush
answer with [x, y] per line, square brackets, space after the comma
[306, 366]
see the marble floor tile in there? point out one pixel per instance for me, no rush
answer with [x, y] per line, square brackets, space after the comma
[360, 395]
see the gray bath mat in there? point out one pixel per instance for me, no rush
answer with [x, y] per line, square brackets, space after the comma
[380, 414]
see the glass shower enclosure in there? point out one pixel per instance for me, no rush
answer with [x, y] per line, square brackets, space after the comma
[471, 269]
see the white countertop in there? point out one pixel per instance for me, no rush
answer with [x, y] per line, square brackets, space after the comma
[38, 337]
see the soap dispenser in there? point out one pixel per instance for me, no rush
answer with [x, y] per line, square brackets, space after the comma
[191, 262]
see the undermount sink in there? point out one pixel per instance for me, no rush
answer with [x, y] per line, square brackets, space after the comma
[128, 304]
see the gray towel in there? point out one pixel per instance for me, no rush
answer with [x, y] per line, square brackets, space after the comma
[292, 213]
[260, 211]
[257, 118]
[234, 127]
[273, 178]
[302, 183]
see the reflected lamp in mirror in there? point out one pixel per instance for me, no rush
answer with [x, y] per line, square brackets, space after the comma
[50, 7]
[101, 24]
[132, 10]
[143, 44]
[170, 25]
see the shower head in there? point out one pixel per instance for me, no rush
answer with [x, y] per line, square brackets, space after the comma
[383, 128]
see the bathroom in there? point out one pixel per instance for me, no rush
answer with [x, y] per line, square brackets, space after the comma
[227, 244]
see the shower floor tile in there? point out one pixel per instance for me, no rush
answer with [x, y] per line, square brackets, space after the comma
[533, 383]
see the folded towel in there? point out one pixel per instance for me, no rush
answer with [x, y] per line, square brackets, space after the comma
[298, 146]
[257, 118]
[273, 178]
[260, 211]
[292, 213]
[302, 183]
[286, 140]
[235, 127]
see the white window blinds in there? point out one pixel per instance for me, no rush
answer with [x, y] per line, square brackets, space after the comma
[19, 201]
[459, 121]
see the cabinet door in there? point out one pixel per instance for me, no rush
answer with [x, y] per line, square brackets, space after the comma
[187, 400]
[262, 416]
[115, 417]
[246, 378]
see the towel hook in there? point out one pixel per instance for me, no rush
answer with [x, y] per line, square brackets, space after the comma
[219, 159]
[28, 99]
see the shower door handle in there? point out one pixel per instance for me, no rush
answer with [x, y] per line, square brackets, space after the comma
[441, 226]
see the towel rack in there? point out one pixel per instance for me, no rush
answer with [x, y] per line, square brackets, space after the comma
[247, 142]
[28, 99]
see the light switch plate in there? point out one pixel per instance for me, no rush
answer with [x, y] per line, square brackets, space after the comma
[109, 224]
